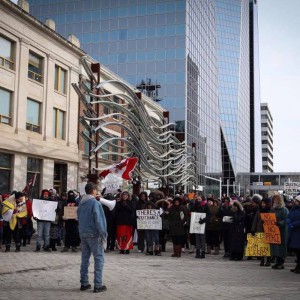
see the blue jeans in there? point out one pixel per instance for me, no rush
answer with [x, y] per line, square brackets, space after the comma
[88, 246]
[43, 232]
[152, 236]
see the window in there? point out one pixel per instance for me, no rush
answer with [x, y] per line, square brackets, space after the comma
[114, 157]
[6, 53]
[115, 109]
[5, 99]
[33, 116]
[60, 80]
[58, 124]
[35, 63]
[34, 167]
[5, 172]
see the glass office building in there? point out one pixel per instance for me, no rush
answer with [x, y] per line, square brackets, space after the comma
[197, 51]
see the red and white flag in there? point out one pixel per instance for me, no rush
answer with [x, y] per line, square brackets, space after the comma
[30, 183]
[121, 169]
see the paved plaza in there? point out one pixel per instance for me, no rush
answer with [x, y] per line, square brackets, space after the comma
[30, 275]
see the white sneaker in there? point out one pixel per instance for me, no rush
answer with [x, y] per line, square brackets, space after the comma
[139, 251]
[182, 250]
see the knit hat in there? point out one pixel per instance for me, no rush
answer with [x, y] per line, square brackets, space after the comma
[297, 198]
[18, 195]
[256, 198]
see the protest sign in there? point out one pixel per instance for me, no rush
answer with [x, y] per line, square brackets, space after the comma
[272, 231]
[149, 219]
[257, 246]
[195, 227]
[70, 212]
[44, 210]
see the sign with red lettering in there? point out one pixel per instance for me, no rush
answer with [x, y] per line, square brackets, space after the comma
[272, 232]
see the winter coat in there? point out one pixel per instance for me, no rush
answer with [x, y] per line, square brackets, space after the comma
[199, 208]
[257, 225]
[125, 213]
[250, 213]
[237, 232]
[225, 211]
[280, 250]
[214, 222]
[293, 222]
[176, 222]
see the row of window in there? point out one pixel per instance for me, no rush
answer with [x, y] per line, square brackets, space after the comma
[35, 65]
[6, 170]
[33, 115]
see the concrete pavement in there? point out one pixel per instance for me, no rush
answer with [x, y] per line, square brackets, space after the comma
[55, 275]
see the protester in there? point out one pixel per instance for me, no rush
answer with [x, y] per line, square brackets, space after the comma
[257, 226]
[124, 220]
[225, 214]
[141, 204]
[293, 222]
[43, 228]
[250, 209]
[17, 204]
[54, 228]
[177, 218]
[200, 206]
[164, 233]
[71, 226]
[26, 224]
[152, 235]
[92, 230]
[279, 251]
[110, 215]
[237, 232]
[213, 228]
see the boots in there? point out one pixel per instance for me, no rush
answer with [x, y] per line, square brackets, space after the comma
[192, 249]
[268, 262]
[157, 251]
[179, 249]
[198, 254]
[262, 261]
[7, 248]
[279, 264]
[18, 248]
[174, 251]
[38, 249]
[202, 254]
[208, 251]
[217, 249]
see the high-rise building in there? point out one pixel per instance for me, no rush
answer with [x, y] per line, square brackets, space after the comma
[255, 128]
[197, 51]
[266, 138]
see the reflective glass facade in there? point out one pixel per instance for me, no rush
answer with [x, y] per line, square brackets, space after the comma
[232, 17]
[198, 51]
[255, 117]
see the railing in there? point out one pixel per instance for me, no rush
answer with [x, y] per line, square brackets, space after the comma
[35, 76]
[33, 127]
[5, 119]
[6, 62]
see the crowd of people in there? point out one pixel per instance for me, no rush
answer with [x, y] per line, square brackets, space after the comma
[227, 223]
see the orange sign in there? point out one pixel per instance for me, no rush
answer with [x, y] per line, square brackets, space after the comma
[272, 232]
[191, 196]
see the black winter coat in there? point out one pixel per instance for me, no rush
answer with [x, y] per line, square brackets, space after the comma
[125, 213]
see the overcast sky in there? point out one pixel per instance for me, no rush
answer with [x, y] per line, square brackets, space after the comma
[279, 35]
[279, 38]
